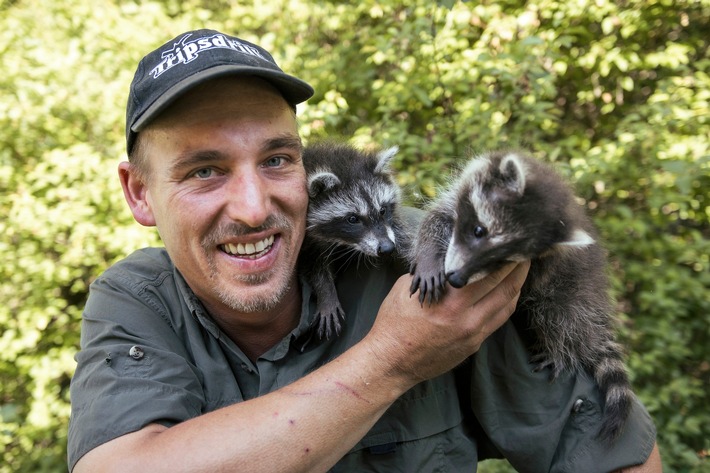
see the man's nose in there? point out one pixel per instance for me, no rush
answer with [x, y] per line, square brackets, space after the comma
[248, 199]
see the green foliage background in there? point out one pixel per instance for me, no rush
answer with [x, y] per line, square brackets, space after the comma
[615, 92]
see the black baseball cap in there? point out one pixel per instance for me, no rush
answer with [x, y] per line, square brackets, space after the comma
[195, 57]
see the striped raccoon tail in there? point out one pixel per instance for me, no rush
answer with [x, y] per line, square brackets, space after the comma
[610, 374]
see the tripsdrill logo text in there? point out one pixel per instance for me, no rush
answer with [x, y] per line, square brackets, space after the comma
[186, 51]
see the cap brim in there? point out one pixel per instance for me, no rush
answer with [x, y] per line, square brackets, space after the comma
[293, 89]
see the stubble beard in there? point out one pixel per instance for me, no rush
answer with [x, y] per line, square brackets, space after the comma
[265, 300]
[260, 303]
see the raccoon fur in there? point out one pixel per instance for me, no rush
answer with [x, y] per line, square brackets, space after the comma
[353, 210]
[508, 207]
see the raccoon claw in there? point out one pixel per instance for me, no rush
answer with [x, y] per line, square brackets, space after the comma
[328, 323]
[416, 280]
[431, 289]
[415, 285]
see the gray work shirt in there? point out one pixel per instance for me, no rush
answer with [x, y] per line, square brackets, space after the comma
[150, 353]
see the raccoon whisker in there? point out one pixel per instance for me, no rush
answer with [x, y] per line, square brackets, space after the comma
[341, 265]
[358, 259]
[330, 250]
[367, 261]
[345, 257]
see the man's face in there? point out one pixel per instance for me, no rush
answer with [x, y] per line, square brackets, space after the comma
[227, 190]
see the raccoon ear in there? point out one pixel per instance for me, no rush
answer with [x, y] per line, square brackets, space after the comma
[384, 157]
[578, 239]
[322, 181]
[513, 171]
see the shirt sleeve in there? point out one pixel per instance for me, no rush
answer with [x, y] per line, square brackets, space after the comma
[132, 370]
[543, 426]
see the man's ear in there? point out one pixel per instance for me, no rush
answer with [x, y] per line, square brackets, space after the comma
[136, 193]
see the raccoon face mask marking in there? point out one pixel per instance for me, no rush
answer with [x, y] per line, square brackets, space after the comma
[482, 237]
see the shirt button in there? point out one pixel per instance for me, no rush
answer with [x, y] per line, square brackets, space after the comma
[136, 352]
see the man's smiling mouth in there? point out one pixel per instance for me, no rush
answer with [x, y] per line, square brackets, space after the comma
[249, 250]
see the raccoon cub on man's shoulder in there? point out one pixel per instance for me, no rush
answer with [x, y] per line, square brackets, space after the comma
[507, 206]
[352, 211]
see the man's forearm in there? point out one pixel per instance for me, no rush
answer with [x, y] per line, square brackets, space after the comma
[306, 426]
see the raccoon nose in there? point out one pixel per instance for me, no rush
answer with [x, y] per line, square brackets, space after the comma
[385, 248]
[456, 280]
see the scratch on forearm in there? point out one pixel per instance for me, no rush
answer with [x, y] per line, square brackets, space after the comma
[351, 391]
[339, 387]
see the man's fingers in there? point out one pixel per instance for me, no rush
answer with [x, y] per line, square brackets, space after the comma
[516, 278]
[496, 307]
[479, 290]
[500, 317]
[494, 279]
[507, 290]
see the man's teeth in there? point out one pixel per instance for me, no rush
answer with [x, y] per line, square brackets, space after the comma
[249, 249]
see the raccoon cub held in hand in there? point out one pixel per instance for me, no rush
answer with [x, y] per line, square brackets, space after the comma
[352, 211]
[508, 207]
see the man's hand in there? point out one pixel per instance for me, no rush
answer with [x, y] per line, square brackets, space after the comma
[421, 341]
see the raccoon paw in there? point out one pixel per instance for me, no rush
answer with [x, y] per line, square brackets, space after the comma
[329, 322]
[430, 286]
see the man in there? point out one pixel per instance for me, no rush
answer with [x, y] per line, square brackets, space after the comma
[198, 357]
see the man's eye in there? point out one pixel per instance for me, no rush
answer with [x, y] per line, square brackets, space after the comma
[203, 173]
[274, 161]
